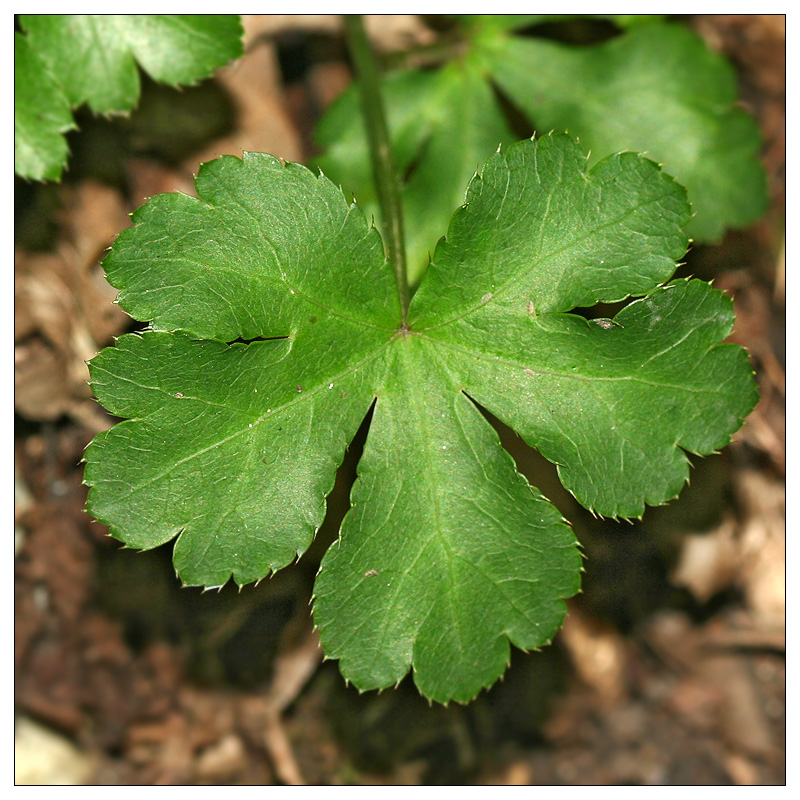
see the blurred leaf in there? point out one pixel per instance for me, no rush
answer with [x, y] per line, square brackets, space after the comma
[41, 117]
[93, 59]
[658, 90]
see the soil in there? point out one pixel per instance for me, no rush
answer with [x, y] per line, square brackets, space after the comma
[670, 669]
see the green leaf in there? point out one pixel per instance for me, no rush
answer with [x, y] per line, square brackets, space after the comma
[448, 553]
[536, 238]
[505, 21]
[440, 118]
[267, 423]
[66, 60]
[95, 55]
[658, 90]
[41, 116]
[276, 328]
[515, 21]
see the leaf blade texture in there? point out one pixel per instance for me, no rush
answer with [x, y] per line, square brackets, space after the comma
[467, 555]
[275, 328]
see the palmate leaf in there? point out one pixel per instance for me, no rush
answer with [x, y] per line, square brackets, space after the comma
[65, 60]
[276, 327]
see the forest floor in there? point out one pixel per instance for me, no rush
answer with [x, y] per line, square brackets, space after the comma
[670, 668]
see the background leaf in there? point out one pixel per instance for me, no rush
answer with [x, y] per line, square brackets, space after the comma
[41, 116]
[94, 58]
[657, 90]
[517, 21]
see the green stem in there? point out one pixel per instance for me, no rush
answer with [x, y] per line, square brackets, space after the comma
[383, 167]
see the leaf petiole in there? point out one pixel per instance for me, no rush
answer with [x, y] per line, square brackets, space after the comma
[383, 166]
